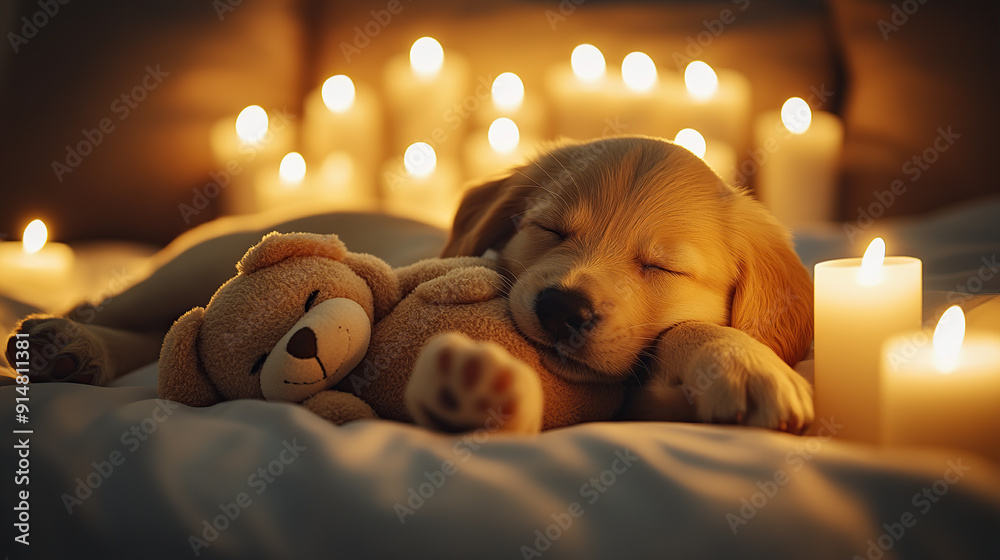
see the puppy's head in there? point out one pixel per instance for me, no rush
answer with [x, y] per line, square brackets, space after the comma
[608, 244]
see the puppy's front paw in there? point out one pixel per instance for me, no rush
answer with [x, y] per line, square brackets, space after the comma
[741, 381]
[59, 350]
[460, 385]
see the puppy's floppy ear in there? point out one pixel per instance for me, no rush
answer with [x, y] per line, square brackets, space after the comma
[181, 377]
[773, 298]
[487, 218]
[276, 247]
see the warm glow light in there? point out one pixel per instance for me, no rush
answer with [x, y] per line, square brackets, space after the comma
[251, 124]
[420, 159]
[871, 264]
[692, 140]
[426, 56]
[508, 91]
[795, 115]
[34, 237]
[587, 62]
[701, 80]
[503, 135]
[337, 168]
[292, 169]
[639, 72]
[338, 93]
[948, 337]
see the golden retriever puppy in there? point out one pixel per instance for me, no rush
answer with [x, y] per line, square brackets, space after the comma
[630, 261]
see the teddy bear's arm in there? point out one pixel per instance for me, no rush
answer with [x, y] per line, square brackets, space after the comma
[415, 274]
[339, 407]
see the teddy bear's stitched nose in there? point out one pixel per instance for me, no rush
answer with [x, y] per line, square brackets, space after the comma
[302, 345]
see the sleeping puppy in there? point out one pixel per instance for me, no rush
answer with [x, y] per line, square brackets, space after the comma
[629, 260]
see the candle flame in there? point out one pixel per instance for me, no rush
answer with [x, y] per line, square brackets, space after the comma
[503, 135]
[701, 80]
[420, 159]
[587, 62]
[639, 72]
[426, 57]
[796, 115]
[871, 264]
[508, 91]
[338, 93]
[35, 236]
[692, 140]
[292, 169]
[948, 337]
[251, 124]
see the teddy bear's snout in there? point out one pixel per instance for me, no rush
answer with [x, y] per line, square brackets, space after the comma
[302, 345]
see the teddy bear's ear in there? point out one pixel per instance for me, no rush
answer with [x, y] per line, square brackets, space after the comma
[181, 377]
[380, 279]
[276, 247]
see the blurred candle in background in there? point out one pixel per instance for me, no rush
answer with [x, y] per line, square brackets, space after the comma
[242, 146]
[510, 99]
[798, 179]
[426, 93]
[36, 271]
[283, 185]
[720, 157]
[421, 186]
[641, 106]
[581, 97]
[344, 117]
[495, 150]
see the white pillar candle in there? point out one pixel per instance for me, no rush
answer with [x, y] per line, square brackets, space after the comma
[859, 303]
[37, 272]
[421, 187]
[283, 185]
[495, 150]
[344, 117]
[719, 156]
[943, 390]
[509, 98]
[798, 178]
[584, 100]
[425, 93]
[242, 146]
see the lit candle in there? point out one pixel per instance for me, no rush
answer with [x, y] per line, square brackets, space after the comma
[641, 105]
[798, 178]
[583, 102]
[282, 185]
[495, 150]
[425, 93]
[720, 157]
[244, 145]
[509, 99]
[35, 271]
[422, 187]
[943, 390]
[859, 303]
[344, 117]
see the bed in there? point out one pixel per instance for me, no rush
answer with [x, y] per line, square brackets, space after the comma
[115, 472]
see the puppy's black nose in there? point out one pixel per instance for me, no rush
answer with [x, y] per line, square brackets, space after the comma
[302, 345]
[562, 313]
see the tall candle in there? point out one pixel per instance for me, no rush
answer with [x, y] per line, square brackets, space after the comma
[425, 93]
[242, 147]
[282, 185]
[583, 101]
[798, 179]
[421, 187]
[859, 303]
[943, 390]
[35, 271]
[497, 149]
[510, 99]
[344, 117]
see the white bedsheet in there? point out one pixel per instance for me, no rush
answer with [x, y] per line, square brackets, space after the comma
[115, 473]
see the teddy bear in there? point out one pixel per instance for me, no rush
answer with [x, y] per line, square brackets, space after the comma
[306, 321]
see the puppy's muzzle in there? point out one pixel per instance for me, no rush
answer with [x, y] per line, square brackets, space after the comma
[564, 313]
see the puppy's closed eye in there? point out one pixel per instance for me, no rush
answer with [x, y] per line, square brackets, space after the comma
[555, 232]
